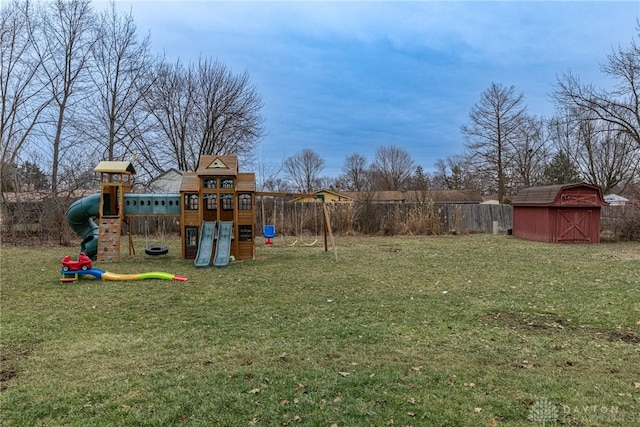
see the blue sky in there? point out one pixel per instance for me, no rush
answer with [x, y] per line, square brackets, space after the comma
[347, 77]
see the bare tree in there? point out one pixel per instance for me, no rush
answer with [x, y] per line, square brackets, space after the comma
[229, 111]
[22, 94]
[268, 175]
[171, 102]
[304, 170]
[204, 109]
[530, 148]
[391, 168]
[66, 41]
[355, 174]
[605, 155]
[608, 156]
[453, 173]
[490, 134]
[620, 107]
[122, 75]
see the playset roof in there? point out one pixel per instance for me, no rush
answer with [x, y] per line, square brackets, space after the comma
[217, 166]
[190, 182]
[115, 167]
[246, 182]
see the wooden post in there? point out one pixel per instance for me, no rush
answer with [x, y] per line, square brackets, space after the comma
[327, 227]
[324, 229]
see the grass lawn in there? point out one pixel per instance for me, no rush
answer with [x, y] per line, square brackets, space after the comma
[405, 331]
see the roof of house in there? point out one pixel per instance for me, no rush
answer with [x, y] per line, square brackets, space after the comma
[168, 181]
[168, 173]
[39, 196]
[315, 194]
[615, 198]
[437, 196]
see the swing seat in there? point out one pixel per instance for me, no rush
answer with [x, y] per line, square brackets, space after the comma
[269, 231]
[156, 250]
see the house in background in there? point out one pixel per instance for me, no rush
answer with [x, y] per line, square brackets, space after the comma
[417, 196]
[326, 196]
[615, 200]
[167, 182]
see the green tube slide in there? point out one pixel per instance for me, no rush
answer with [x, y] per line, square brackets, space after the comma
[80, 218]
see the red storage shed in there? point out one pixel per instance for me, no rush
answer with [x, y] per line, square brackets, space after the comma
[568, 213]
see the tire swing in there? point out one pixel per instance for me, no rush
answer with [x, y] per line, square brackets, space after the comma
[157, 249]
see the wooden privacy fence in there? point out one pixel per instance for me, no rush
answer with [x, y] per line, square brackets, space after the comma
[432, 218]
[298, 218]
[477, 218]
[409, 218]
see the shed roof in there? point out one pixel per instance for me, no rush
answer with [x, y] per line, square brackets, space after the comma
[115, 167]
[550, 194]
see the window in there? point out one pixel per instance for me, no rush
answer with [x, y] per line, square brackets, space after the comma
[227, 202]
[191, 236]
[191, 202]
[244, 202]
[227, 183]
[209, 182]
[245, 233]
[211, 201]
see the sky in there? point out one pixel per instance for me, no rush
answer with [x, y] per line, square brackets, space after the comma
[345, 77]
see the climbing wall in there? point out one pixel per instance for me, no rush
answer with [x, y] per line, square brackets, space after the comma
[109, 240]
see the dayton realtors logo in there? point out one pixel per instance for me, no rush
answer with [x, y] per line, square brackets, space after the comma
[543, 412]
[548, 413]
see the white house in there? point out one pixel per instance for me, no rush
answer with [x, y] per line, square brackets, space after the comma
[615, 200]
[168, 182]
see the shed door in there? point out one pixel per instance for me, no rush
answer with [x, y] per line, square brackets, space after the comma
[573, 225]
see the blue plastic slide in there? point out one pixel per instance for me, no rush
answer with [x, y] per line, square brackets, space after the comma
[223, 248]
[80, 218]
[205, 245]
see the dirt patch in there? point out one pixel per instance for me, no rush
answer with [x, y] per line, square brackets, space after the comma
[530, 321]
[9, 358]
[627, 337]
[551, 323]
[388, 249]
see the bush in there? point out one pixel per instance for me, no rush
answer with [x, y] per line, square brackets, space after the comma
[628, 227]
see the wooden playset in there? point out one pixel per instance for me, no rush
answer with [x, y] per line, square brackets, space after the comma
[216, 205]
